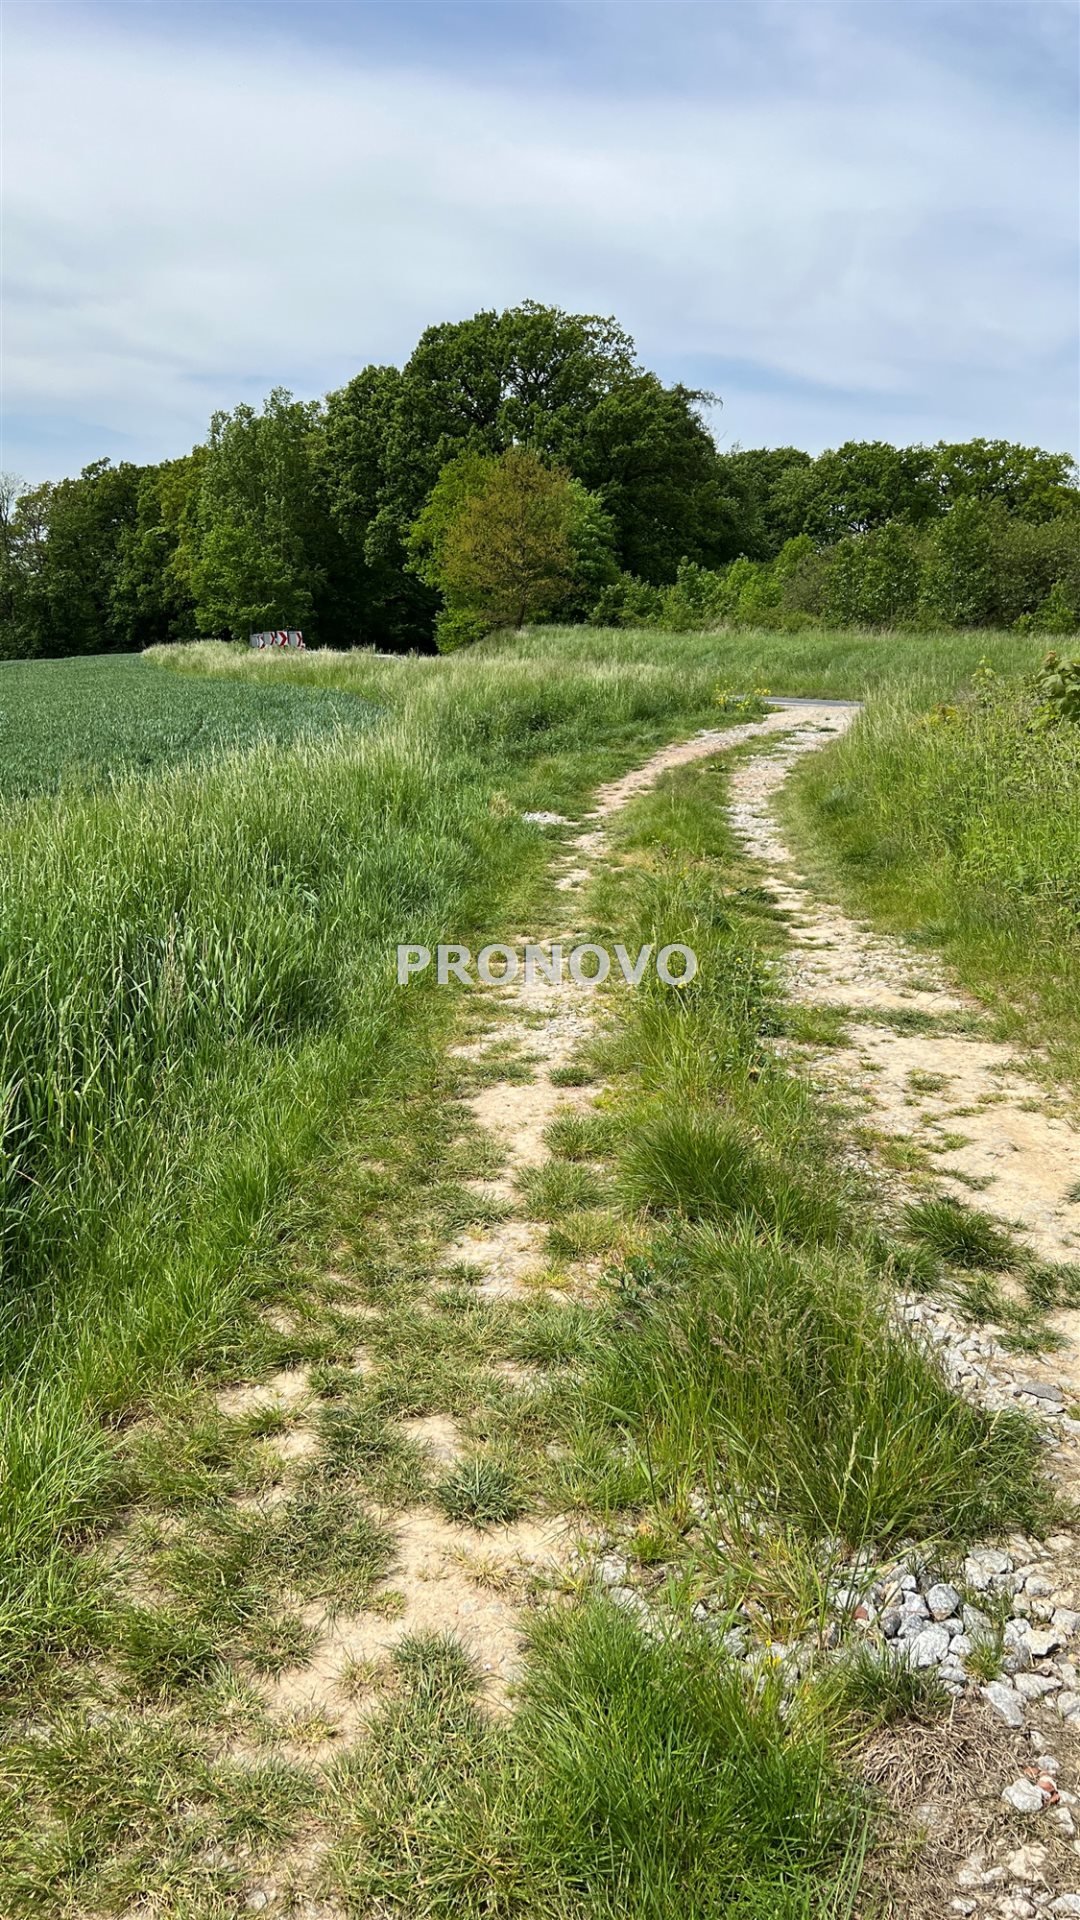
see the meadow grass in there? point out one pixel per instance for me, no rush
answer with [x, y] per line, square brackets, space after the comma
[842, 664]
[196, 986]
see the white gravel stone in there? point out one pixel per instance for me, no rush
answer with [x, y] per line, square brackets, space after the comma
[1017, 1646]
[1005, 1702]
[1043, 1641]
[1025, 1796]
[1028, 1862]
[981, 1567]
[1034, 1686]
[942, 1600]
[1066, 1903]
[928, 1648]
[611, 1570]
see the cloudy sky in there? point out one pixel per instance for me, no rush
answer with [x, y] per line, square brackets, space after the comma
[850, 220]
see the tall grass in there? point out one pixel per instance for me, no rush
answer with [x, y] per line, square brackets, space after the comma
[960, 825]
[841, 665]
[196, 979]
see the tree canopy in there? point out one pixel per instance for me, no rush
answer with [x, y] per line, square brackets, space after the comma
[507, 538]
[305, 513]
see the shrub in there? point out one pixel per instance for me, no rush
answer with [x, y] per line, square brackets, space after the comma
[1057, 685]
[459, 627]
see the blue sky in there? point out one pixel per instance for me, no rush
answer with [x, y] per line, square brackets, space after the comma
[849, 220]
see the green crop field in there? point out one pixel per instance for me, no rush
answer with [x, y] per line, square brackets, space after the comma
[77, 722]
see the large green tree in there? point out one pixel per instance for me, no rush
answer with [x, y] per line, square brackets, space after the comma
[376, 594]
[152, 592]
[62, 560]
[755, 481]
[507, 538]
[1027, 482]
[261, 524]
[569, 386]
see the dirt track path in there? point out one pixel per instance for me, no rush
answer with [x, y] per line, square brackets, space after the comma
[450, 1579]
[447, 1578]
[1014, 1136]
[1000, 1138]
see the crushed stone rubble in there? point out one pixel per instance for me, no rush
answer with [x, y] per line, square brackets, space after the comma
[980, 1367]
[1018, 1605]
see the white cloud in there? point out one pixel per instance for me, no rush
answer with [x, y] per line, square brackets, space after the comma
[189, 223]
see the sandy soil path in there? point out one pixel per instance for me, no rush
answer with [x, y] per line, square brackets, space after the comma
[1017, 1137]
[1001, 1137]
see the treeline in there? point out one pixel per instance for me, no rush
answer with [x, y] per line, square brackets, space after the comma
[976, 566]
[336, 515]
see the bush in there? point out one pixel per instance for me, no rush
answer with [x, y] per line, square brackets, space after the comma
[459, 627]
[1058, 687]
[977, 566]
[627, 602]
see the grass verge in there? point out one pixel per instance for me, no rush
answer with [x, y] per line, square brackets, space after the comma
[947, 815]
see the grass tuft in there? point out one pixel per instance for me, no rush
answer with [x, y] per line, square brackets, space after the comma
[878, 1687]
[709, 1168]
[481, 1491]
[962, 1236]
[641, 1770]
